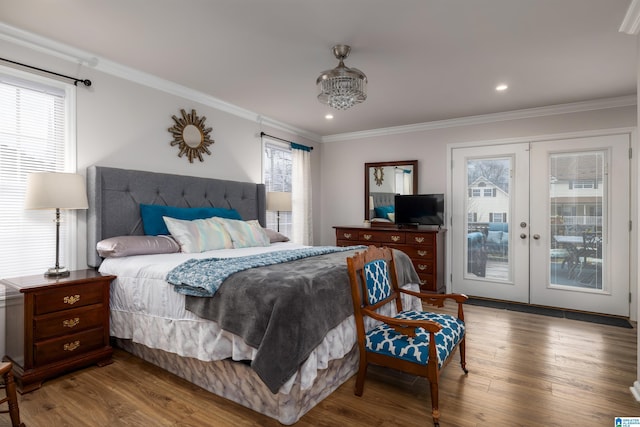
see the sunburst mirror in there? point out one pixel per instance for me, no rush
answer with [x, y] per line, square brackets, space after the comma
[190, 135]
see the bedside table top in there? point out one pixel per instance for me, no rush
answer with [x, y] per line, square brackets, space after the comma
[39, 281]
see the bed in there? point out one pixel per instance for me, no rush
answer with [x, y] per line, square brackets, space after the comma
[150, 319]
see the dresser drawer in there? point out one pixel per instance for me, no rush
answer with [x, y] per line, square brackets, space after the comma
[347, 235]
[381, 236]
[67, 321]
[427, 281]
[420, 239]
[418, 253]
[423, 267]
[67, 297]
[68, 346]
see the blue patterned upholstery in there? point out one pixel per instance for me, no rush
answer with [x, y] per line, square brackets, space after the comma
[384, 340]
[378, 283]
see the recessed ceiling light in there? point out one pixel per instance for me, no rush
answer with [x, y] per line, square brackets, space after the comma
[502, 87]
[329, 116]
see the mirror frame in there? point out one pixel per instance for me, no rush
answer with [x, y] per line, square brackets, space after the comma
[178, 129]
[367, 167]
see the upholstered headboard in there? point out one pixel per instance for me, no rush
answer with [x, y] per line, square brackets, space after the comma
[115, 196]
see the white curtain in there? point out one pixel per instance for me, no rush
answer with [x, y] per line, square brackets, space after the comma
[301, 195]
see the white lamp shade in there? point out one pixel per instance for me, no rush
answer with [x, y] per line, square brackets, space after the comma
[278, 201]
[54, 190]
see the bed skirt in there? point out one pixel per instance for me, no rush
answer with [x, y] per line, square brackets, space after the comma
[221, 378]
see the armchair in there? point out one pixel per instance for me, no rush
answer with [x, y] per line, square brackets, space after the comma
[416, 342]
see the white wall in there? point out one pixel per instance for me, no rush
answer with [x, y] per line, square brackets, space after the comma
[343, 162]
[125, 124]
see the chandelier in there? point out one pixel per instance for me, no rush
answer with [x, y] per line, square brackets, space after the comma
[342, 87]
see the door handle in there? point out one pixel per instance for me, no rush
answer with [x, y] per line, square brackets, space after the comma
[523, 236]
[536, 236]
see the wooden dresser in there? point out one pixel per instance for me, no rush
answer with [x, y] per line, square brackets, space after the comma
[56, 325]
[424, 246]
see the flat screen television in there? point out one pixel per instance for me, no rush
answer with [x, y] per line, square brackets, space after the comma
[419, 209]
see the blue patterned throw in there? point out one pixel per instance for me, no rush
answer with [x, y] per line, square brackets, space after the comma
[203, 277]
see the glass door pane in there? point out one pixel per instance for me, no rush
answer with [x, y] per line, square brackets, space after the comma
[577, 197]
[488, 212]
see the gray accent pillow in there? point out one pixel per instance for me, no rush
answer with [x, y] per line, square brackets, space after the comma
[136, 245]
[274, 236]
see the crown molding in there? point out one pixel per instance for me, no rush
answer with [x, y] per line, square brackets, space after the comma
[631, 22]
[69, 53]
[575, 107]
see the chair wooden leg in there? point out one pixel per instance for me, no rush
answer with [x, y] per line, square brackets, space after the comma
[435, 411]
[463, 356]
[14, 411]
[362, 372]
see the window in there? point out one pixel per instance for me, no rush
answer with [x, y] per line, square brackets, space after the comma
[488, 192]
[472, 217]
[498, 217]
[34, 136]
[475, 192]
[583, 183]
[276, 167]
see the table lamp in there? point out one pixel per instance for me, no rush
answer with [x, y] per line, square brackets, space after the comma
[54, 190]
[278, 201]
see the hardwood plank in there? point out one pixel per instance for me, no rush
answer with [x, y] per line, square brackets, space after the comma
[524, 370]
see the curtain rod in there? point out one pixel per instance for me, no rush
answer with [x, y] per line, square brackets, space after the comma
[86, 82]
[303, 147]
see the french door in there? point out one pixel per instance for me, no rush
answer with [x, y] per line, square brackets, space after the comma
[544, 223]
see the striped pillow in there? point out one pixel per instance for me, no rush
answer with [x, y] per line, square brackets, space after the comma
[198, 235]
[245, 234]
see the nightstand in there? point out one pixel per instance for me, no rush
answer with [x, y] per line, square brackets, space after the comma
[55, 325]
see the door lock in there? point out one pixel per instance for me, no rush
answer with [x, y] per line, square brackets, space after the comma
[536, 236]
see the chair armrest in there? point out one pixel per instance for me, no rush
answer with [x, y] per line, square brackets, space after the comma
[404, 326]
[436, 299]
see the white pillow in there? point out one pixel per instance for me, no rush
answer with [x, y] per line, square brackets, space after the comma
[245, 234]
[198, 235]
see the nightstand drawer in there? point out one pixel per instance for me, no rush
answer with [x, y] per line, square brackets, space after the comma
[67, 321]
[67, 297]
[68, 346]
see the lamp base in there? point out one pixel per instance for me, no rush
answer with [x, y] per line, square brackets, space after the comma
[57, 272]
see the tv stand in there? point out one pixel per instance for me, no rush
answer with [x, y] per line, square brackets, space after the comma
[424, 245]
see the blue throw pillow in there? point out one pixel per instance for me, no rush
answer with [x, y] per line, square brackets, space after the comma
[154, 225]
[384, 211]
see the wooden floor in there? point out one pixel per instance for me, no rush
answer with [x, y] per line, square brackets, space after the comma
[524, 370]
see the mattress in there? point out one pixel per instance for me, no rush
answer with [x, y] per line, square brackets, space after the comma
[146, 310]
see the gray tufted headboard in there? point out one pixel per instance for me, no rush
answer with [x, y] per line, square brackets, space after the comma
[115, 196]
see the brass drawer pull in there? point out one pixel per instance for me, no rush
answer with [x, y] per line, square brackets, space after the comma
[422, 266]
[367, 236]
[422, 253]
[347, 235]
[71, 323]
[71, 299]
[395, 238]
[71, 346]
[419, 239]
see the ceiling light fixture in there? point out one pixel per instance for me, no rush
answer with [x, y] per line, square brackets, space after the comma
[342, 87]
[502, 87]
[329, 116]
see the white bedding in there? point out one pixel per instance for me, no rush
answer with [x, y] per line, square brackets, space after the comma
[146, 310]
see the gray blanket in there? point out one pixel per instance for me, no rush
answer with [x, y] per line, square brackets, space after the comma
[285, 310]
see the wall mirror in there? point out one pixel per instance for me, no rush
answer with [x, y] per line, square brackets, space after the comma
[382, 181]
[190, 135]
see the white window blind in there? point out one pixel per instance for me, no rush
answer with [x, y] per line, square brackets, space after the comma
[34, 137]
